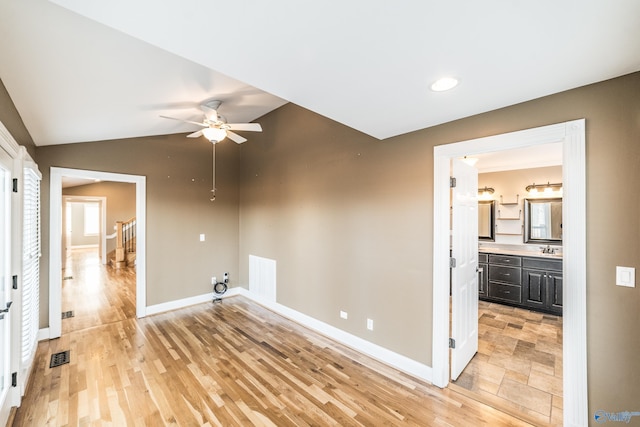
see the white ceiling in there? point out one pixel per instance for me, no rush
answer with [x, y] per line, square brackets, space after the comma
[86, 70]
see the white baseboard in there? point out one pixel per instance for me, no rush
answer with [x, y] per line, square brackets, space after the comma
[181, 303]
[43, 334]
[381, 354]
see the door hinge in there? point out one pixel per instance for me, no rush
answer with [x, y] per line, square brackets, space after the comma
[15, 281]
[15, 185]
[452, 343]
[452, 182]
[14, 379]
[452, 262]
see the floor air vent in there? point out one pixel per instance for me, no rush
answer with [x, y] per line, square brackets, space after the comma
[67, 278]
[67, 314]
[59, 359]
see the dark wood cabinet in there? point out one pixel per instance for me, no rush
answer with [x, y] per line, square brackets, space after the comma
[542, 284]
[528, 282]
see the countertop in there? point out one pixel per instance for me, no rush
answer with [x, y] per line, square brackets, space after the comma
[519, 252]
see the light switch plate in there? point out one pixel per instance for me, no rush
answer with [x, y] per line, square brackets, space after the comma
[626, 276]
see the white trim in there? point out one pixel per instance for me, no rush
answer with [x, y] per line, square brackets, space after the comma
[95, 245]
[55, 239]
[388, 357]
[43, 334]
[180, 303]
[572, 135]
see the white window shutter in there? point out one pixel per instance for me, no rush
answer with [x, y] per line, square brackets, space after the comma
[30, 265]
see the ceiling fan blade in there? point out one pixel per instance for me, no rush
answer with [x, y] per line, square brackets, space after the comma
[235, 137]
[186, 121]
[195, 134]
[253, 127]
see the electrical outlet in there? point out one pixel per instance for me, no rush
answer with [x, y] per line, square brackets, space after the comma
[370, 324]
[226, 277]
[214, 280]
[344, 314]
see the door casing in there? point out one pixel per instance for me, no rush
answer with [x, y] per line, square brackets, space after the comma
[572, 136]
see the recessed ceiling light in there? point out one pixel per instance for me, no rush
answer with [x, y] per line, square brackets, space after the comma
[444, 83]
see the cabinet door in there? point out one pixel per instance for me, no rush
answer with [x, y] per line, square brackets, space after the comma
[554, 291]
[534, 287]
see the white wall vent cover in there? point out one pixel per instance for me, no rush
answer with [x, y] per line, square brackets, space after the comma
[262, 277]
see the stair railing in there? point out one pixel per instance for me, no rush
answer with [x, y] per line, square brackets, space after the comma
[125, 239]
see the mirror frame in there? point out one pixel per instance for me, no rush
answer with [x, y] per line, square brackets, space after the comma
[527, 221]
[492, 220]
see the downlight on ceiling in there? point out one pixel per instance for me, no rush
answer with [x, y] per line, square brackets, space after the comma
[445, 83]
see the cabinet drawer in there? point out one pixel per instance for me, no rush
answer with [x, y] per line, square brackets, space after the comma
[505, 260]
[542, 263]
[483, 258]
[505, 274]
[505, 292]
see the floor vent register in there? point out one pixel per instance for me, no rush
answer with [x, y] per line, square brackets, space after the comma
[59, 359]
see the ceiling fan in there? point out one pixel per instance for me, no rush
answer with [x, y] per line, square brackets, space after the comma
[216, 127]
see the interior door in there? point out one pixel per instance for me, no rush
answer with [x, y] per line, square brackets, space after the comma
[5, 284]
[464, 290]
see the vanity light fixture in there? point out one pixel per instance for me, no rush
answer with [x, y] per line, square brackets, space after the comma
[547, 188]
[444, 83]
[486, 191]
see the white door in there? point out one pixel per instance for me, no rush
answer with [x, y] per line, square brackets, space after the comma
[464, 290]
[5, 284]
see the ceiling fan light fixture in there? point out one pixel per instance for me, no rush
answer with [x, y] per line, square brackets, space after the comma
[444, 83]
[214, 134]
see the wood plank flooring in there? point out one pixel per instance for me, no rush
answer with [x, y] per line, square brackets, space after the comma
[96, 294]
[233, 363]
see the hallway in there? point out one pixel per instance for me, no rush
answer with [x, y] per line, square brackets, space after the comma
[96, 294]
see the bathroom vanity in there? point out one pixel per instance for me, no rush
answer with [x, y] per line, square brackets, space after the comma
[523, 279]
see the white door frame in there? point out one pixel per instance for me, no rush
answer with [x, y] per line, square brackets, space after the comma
[55, 239]
[572, 136]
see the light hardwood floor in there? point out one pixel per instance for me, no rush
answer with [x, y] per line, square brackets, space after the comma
[233, 363]
[96, 294]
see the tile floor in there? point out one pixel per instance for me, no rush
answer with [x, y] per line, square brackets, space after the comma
[519, 362]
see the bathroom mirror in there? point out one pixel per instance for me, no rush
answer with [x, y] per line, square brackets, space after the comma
[543, 220]
[486, 220]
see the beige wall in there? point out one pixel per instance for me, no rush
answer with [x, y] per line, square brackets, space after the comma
[11, 119]
[349, 221]
[121, 202]
[178, 180]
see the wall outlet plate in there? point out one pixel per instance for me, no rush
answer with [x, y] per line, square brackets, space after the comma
[344, 314]
[370, 324]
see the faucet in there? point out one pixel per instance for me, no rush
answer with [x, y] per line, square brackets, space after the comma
[548, 250]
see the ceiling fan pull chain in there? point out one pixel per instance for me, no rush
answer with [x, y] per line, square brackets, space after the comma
[213, 187]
